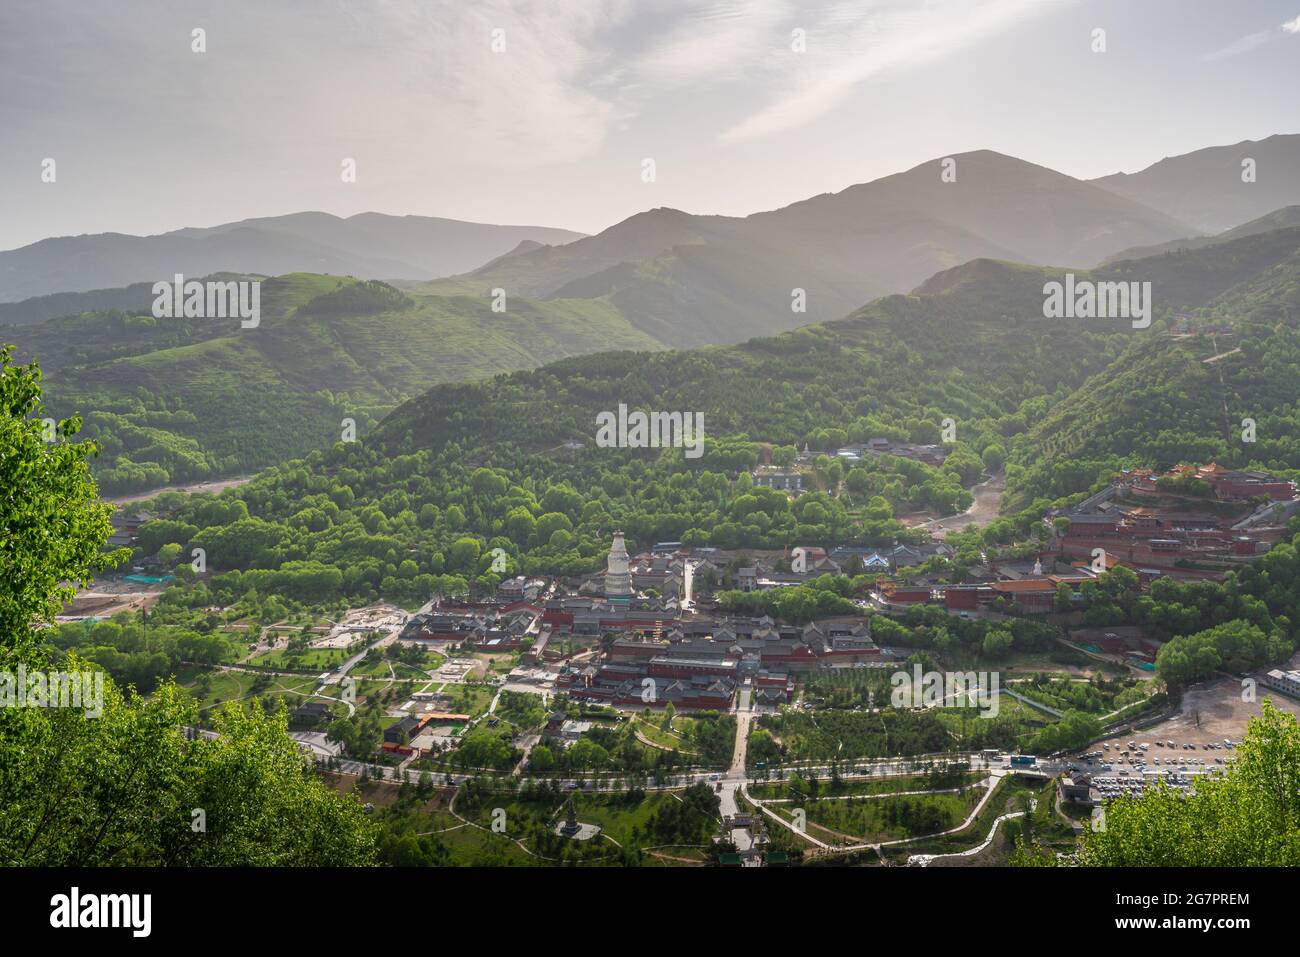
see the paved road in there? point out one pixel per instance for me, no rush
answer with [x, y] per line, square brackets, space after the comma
[734, 780]
[385, 639]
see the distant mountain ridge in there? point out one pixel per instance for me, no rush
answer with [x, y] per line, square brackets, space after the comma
[979, 326]
[367, 245]
[693, 280]
[1205, 188]
[1284, 218]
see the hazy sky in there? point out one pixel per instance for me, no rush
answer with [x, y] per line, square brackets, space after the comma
[148, 135]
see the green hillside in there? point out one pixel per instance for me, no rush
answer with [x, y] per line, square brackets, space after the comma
[510, 462]
[1171, 399]
[177, 400]
[694, 280]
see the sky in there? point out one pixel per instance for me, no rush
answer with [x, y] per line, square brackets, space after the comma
[544, 112]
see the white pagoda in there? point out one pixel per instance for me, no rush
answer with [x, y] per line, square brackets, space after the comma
[618, 579]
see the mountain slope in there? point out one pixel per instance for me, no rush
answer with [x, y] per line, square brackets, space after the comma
[1204, 188]
[899, 363]
[136, 297]
[1283, 218]
[179, 400]
[1069, 399]
[692, 280]
[369, 245]
[1169, 399]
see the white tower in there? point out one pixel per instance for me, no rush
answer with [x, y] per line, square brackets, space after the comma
[618, 580]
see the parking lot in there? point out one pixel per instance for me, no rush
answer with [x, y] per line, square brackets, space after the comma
[1125, 767]
[1200, 739]
[1208, 714]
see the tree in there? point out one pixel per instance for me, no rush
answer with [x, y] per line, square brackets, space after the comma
[997, 642]
[1250, 817]
[118, 781]
[52, 525]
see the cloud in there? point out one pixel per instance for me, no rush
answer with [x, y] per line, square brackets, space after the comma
[408, 81]
[853, 43]
[308, 79]
[1242, 45]
[1251, 41]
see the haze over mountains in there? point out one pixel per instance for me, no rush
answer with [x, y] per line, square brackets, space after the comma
[978, 333]
[159, 393]
[368, 245]
[690, 280]
[1284, 218]
[1205, 188]
[686, 280]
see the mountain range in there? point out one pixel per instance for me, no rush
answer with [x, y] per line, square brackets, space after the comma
[978, 329]
[691, 280]
[368, 245]
[1209, 190]
[684, 279]
[179, 400]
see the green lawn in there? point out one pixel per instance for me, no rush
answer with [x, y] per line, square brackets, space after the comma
[313, 660]
[869, 820]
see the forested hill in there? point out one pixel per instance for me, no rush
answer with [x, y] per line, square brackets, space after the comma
[896, 368]
[417, 503]
[180, 400]
[971, 344]
[694, 280]
[1171, 399]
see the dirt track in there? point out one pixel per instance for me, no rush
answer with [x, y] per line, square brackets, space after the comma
[214, 487]
[988, 501]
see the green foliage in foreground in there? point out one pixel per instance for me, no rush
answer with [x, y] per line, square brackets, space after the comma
[123, 789]
[116, 780]
[1248, 818]
[52, 528]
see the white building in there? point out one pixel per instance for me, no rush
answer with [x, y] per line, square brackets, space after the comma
[618, 576]
[1287, 682]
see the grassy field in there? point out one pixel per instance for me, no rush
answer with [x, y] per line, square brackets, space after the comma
[869, 820]
[241, 685]
[472, 700]
[313, 660]
[653, 731]
[883, 785]
[380, 667]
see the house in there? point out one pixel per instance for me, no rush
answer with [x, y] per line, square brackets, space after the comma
[1287, 682]
[901, 594]
[313, 713]
[126, 526]
[571, 731]
[1076, 790]
[967, 597]
[778, 479]
[402, 732]
[1235, 484]
[521, 588]
[1034, 595]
